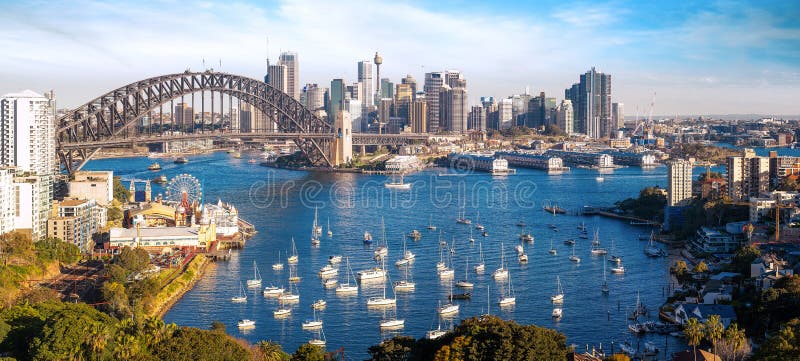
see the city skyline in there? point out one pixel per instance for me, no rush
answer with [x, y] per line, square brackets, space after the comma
[715, 58]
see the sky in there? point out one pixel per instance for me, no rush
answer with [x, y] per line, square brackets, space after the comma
[703, 57]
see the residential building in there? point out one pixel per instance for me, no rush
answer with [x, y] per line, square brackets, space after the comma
[27, 132]
[34, 194]
[76, 221]
[8, 199]
[292, 64]
[183, 117]
[748, 175]
[93, 185]
[432, 88]
[714, 241]
[679, 182]
[403, 164]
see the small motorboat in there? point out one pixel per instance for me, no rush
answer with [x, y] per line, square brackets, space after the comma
[245, 323]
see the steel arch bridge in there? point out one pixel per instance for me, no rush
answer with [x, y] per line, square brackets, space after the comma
[109, 118]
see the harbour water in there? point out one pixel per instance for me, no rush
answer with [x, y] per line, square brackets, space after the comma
[281, 204]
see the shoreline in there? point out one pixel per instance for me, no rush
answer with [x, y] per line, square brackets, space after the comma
[172, 299]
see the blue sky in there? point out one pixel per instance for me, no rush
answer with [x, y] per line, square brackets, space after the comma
[701, 57]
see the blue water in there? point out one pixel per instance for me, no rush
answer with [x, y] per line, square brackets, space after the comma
[281, 204]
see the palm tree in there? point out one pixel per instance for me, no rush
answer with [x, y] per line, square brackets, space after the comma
[125, 347]
[96, 341]
[693, 330]
[736, 338]
[714, 330]
[271, 351]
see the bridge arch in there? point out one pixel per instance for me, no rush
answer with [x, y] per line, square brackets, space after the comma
[82, 131]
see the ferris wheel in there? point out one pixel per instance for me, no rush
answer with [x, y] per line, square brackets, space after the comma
[184, 185]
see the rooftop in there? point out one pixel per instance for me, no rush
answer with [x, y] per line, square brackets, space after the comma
[152, 232]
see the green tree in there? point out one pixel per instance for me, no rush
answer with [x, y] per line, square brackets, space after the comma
[121, 193]
[744, 257]
[307, 352]
[733, 344]
[117, 298]
[693, 330]
[680, 268]
[714, 330]
[194, 344]
[397, 348]
[270, 351]
[785, 345]
[64, 333]
[217, 326]
[133, 259]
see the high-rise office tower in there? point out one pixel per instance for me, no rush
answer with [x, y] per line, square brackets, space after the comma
[453, 109]
[357, 92]
[354, 107]
[291, 61]
[748, 176]
[184, 117]
[278, 77]
[505, 118]
[411, 82]
[384, 113]
[403, 102]
[539, 111]
[419, 118]
[336, 103]
[592, 95]
[576, 98]
[432, 87]
[245, 118]
[679, 182]
[387, 89]
[564, 116]
[617, 116]
[314, 97]
[477, 118]
[378, 61]
[368, 96]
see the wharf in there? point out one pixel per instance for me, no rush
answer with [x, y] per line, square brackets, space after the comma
[633, 220]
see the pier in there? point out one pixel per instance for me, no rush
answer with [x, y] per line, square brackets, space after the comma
[634, 221]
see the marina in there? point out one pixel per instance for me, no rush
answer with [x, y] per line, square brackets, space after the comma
[582, 324]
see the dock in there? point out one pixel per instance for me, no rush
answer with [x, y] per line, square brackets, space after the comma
[633, 220]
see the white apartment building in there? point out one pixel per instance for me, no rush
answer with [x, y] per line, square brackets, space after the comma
[94, 185]
[8, 200]
[679, 182]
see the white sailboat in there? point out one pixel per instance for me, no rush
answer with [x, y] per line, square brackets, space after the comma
[481, 266]
[618, 269]
[441, 265]
[278, 265]
[392, 323]
[462, 216]
[347, 287]
[316, 227]
[319, 304]
[383, 248]
[382, 301]
[320, 340]
[293, 277]
[557, 312]
[470, 239]
[552, 249]
[596, 249]
[465, 283]
[241, 297]
[293, 258]
[408, 256]
[558, 297]
[478, 224]
[256, 280]
[651, 250]
[430, 224]
[328, 271]
[289, 297]
[573, 257]
[404, 285]
[438, 332]
[508, 299]
[614, 258]
[604, 288]
[449, 308]
[313, 323]
[395, 183]
[273, 291]
[315, 238]
[330, 232]
[502, 272]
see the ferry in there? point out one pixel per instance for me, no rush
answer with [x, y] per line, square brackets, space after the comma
[154, 166]
[181, 160]
[160, 179]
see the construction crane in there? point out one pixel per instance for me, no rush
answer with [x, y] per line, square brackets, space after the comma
[778, 207]
[640, 126]
[650, 116]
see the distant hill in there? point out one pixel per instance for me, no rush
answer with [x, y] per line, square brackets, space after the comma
[722, 116]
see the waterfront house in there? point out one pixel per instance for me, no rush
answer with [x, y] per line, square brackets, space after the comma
[683, 312]
[717, 241]
[403, 164]
[768, 269]
[715, 291]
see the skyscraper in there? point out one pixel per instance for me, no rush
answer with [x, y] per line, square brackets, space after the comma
[411, 82]
[403, 102]
[593, 99]
[278, 77]
[336, 103]
[365, 78]
[419, 121]
[432, 87]
[617, 116]
[313, 97]
[453, 109]
[387, 89]
[291, 61]
[477, 118]
[679, 182]
[184, 117]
